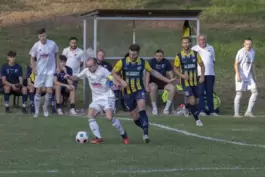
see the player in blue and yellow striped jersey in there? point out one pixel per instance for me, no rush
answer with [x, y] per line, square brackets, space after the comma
[132, 69]
[185, 66]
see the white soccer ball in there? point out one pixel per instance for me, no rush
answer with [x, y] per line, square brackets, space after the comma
[81, 137]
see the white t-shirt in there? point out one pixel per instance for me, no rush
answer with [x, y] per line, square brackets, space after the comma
[46, 57]
[208, 57]
[245, 60]
[98, 83]
[74, 58]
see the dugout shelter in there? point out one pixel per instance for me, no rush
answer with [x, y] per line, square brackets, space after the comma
[133, 15]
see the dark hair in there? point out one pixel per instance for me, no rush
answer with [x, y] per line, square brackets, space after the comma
[248, 39]
[134, 47]
[159, 51]
[41, 31]
[186, 37]
[126, 55]
[62, 58]
[73, 38]
[11, 54]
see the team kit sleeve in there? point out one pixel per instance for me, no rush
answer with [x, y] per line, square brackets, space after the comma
[56, 48]
[177, 61]
[238, 56]
[33, 51]
[20, 74]
[199, 59]
[147, 66]
[118, 66]
[3, 71]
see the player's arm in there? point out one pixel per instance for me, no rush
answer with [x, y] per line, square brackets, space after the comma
[169, 70]
[81, 75]
[69, 81]
[253, 71]
[20, 78]
[236, 65]
[201, 64]
[117, 69]
[177, 68]
[3, 76]
[155, 73]
[56, 82]
[33, 55]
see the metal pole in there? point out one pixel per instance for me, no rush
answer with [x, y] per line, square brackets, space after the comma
[198, 29]
[84, 64]
[134, 32]
[95, 36]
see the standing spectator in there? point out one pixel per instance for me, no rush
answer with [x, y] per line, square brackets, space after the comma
[11, 73]
[75, 57]
[163, 66]
[207, 54]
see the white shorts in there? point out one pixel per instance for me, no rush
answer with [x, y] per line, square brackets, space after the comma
[43, 81]
[104, 104]
[245, 85]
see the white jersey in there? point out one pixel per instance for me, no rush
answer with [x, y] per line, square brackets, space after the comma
[98, 83]
[245, 61]
[74, 58]
[46, 57]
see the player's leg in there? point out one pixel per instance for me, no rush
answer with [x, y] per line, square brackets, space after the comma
[93, 110]
[24, 92]
[38, 84]
[240, 88]
[31, 91]
[153, 95]
[72, 101]
[58, 96]
[49, 91]
[201, 103]
[171, 94]
[252, 100]
[209, 84]
[7, 90]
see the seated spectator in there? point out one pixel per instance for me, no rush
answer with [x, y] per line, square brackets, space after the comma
[29, 82]
[13, 81]
[163, 66]
[64, 87]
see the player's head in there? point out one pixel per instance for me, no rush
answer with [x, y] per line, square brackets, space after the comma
[42, 35]
[73, 42]
[248, 43]
[134, 50]
[100, 55]
[186, 43]
[62, 60]
[92, 64]
[202, 40]
[159, 55]
[11, 56]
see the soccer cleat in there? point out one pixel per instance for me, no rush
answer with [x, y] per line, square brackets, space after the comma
[199, 123]
[24, 110]
[73, 112]
[125, 138]
[237, 116]
[154, 112]
[45, 111]
[7, 110]
[146, 139]
[59, 111]
[249, 114]
[54, 109]
[203, 114]
[97, 141]
[36, 115]
[214, 114]
[166, 112]
[32, 109]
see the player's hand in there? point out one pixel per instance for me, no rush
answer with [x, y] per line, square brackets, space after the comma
[201, 79]
[184, 76]
[66, 76]
[71, 87]
[123, 83]
[172, 81]
[238, 78]
[13, 86]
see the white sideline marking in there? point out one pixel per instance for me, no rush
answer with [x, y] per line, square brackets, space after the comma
[28, 171]
[200, 136]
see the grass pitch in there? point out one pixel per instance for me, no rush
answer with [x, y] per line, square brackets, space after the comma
[47, 147]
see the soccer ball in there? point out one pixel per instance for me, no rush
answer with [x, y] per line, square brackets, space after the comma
[81, 137]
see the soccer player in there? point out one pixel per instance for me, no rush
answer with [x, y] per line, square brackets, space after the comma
[75, 57]
[245, 77]
[11, 73]
[101, 61]
[132, 68]
[64, 86]
[185, 66]
[102, 98]
[45, 51]
[164, 67]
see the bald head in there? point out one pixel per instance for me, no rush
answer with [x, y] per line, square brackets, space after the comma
[202, 41]
[92, 64]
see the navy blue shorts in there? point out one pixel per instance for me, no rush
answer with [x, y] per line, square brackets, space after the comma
[191, 91]
[130, 100]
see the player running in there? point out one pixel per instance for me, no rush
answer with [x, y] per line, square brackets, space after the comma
[102, 98]
[132, 68]
[185, 67]
[45, 51]
[245, 77]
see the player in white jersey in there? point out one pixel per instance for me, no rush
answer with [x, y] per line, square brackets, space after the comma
[43, 61]
[245, 77]
[102, 98]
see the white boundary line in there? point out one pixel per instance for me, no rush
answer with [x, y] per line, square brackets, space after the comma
[28, 171]
[199, 136]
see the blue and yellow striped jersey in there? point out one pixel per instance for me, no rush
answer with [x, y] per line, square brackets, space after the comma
[188, 65]
[132, 73]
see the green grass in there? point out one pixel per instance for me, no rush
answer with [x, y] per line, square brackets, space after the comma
[30, 145]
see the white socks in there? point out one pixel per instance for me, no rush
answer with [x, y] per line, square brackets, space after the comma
[168, 105]
[154, 105]
[252, 100]
[37, 100]
[47, 99]
[94, 127]
[116, 123]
